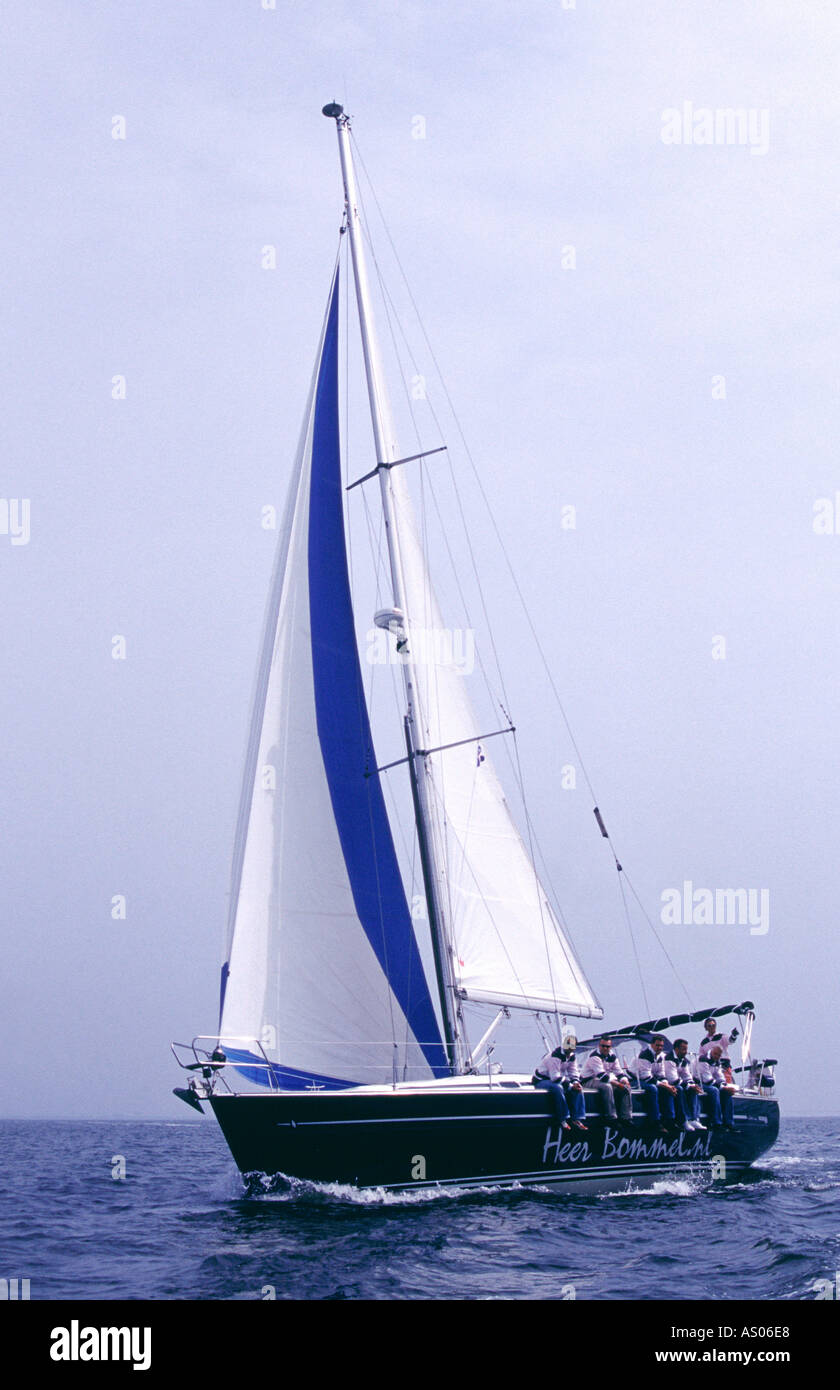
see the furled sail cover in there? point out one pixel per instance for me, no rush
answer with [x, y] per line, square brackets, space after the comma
[506, 943]
[323, 966]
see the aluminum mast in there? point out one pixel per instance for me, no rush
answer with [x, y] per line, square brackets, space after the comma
[387, 454]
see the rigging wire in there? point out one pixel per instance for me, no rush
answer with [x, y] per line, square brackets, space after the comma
[632, 935]
[508, 563]
[432, 626]
[392, 316]
[375, 532]
[376, 547]
[445, 832]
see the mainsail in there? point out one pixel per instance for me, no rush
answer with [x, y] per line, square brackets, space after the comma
[498, 940]
[507, 946]
[323, 968]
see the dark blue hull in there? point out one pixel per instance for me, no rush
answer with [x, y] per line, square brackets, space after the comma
[410, 1139]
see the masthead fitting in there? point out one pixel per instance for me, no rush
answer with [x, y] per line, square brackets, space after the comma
[332, 110]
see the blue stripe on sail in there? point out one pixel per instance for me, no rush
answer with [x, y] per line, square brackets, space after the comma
[344, 729]
[254, 1068]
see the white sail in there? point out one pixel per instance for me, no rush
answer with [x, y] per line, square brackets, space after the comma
[507, 946]
[323, 971]
[504, 944]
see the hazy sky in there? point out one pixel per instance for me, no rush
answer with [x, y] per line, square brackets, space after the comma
[676, 385]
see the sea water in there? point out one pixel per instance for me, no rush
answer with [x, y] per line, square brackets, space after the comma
[156, 1209]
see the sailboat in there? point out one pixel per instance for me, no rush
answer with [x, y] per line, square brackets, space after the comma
[343, 1051]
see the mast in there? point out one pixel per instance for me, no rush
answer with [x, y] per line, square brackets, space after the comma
[387, 454]
[438, 944]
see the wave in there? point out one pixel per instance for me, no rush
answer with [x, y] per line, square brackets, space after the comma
[280, 1188]
[787, 1160]
[665, 1187]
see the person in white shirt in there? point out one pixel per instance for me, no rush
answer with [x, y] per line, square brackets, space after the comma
[659, 1091]
[689, 1090]
[715, 1039]
[602, 1072]
[548, 1076]
[717, 1088]
[572, 1082]
[557, 1072]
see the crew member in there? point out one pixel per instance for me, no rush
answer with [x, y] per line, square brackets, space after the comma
[689, 1089]
[602, 1072]
[717, 1088]
[548, 1076]
[571, 1081]
[713, 1038]
[659, 1091]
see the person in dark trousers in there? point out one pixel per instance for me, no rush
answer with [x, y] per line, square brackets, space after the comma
[689, 1089]
[571, 1081]
[548, 1076]
[717, 1088]
[660, 1093]
[602, 1072]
